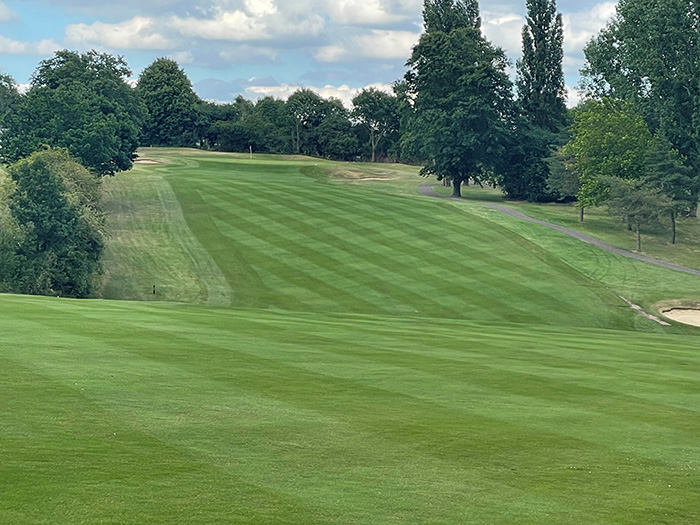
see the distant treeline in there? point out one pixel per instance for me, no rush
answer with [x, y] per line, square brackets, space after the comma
[632, 145]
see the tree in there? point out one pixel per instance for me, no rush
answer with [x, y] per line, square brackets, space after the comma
[540, 74]
[306, 110]
[649, 54]
[462, 97]
[666, 171]
[270, 124]
[447, 15]
[10, 235]
[56, 205]
[563, 181]
[336, 139]
[378, 111]
[80, 102]
[635, 204]
[609, 140]
[9, 97]
[523, 171]
[168, 96]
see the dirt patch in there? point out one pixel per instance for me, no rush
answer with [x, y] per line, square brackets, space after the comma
[640, 311]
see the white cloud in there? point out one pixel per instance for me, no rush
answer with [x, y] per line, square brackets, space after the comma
[504, 30]
[15, 47]
[6, 15]
[138, 33]
[260, 7]
[344, 92]
[362, 12]
[257, 21]
[383, 44]
[332, 54]
[580, 27]
[248, 54]
[387, 44]
[182, 57]
[573, 97]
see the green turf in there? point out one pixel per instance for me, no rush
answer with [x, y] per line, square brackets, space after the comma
[328, 346]
[137, 413]
[278, 233]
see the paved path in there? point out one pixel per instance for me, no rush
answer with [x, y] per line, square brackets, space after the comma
[429, 191]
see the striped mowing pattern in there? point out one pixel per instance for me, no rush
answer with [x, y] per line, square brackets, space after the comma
[127, 412]
[286, 240]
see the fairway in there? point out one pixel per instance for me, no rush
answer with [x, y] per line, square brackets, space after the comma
[326, 345]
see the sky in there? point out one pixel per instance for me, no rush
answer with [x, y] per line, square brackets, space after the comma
[265, 47]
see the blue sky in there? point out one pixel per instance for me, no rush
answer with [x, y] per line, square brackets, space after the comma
[263, 47]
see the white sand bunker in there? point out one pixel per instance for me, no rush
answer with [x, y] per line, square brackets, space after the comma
[689, 316]
[146, 161]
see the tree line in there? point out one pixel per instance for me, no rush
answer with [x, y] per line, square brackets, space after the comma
[631, 145]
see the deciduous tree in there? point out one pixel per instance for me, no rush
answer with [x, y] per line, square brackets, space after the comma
[56, 205]
[379, 112]
[649, 54]
[172, 119]
[461, 94]
[80, 102]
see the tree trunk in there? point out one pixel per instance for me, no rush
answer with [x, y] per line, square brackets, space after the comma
[639, 239]
[372, 142]
[297, 138]
[456, 188]
[673, 226]
[694, 209]
[580, 217]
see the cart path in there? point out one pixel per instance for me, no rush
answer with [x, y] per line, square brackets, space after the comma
[429, 191]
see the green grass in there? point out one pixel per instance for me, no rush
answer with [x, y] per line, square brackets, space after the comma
[143, 413]
[328, 346]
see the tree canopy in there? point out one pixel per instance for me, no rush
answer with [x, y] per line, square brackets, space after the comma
[55, 203]
[462, 99]
[379, 112]
[649, 54]
[540, 74]
[173, 117]
[80, 102]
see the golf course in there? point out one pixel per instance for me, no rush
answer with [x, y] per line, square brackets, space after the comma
[284, 339]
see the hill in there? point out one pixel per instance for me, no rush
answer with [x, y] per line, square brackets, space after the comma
[325, 345]
[307, 235]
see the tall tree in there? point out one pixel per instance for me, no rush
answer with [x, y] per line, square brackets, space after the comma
[81, 102]
[462, 97]
[609, 140]
[171, 102]
[650, 54]
[379, 112]
[635, 204]
[540, 73]
[9, 96]
[306, 109]
[447, 15]
[666, 171]
[56, 204]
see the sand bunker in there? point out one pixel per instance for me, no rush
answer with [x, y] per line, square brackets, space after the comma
[146, 161]
[689, 316]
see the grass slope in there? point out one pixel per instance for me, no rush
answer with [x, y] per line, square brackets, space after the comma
[344, 351]
[120, 412]
[274, 233]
